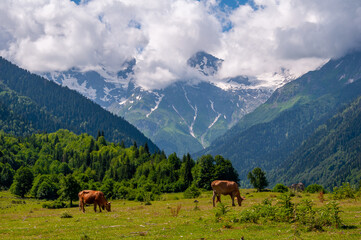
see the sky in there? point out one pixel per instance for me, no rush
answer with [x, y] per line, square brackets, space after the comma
[260, 38]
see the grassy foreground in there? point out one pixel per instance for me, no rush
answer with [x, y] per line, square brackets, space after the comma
[26, 219]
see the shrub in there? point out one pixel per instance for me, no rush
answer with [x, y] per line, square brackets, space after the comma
[192, 192]
[315, 219]
[306, 215]
[303, 213]
[280, 188]
[66, 215]
[221, 210]
[54, 205]
[249, 216]
[175, 211]
[315, 188]
[343, 192]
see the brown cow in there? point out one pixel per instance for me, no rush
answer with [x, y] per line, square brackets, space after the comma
[226, 188]
[93, 197]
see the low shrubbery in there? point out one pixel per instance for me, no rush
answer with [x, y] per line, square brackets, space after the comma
[192, 192]
[66, 215]
[54, 205]
[343, 192]
[303, 213]
[280, 188]
[315, 188]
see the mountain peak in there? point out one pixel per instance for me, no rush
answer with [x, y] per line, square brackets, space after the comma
[127, 68]
[205, 63]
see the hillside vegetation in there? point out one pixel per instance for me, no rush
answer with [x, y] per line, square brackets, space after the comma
[270, 136]
[45, 165]
[331, 155]
[30, 103]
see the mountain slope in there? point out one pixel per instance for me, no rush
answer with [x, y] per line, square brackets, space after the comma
[183, 117]
[19, 115]
[186, 118]
[65, 108]
[331, 155]
[267, 136]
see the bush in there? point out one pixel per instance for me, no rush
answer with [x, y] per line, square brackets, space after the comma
[280, 188]
[54, 205]
[221, 210]
[192, 192]
[315, 188]
[66, 215]
[285, 211]
[249, 216]
[343, 192]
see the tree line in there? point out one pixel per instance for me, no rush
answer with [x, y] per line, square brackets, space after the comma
[58, 165]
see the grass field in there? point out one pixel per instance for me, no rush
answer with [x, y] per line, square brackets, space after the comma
[26, 219]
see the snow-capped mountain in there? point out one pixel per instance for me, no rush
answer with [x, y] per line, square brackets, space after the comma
[183, 117]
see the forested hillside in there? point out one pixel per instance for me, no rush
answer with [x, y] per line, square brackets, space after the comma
[268, 136]
[54, 160]
[331, 155]
[31, 103]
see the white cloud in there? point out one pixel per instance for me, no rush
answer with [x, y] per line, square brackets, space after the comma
[293, 34]
[299, 35]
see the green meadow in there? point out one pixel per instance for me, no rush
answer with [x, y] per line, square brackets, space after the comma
[171, 217]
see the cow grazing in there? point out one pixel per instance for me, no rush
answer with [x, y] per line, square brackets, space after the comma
[226, 188]
[93, 197]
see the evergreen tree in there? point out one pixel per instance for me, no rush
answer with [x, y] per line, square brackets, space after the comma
[186, 170]
[258, 179]
[203, 172]
[146, 148]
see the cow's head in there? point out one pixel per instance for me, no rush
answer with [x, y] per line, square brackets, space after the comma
[240, 199]
[107, 207]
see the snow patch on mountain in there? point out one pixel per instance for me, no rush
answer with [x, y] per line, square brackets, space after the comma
[215, 120]
[72, 83]
[156, 104]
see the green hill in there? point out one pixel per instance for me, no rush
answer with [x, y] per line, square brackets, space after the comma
[31, 103]
[268, 136]
[331, 155]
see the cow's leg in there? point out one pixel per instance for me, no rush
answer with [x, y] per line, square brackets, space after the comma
[95, 207]
[232, 197]
[218, 197]
[100, 208]
[83, 206]
[214, 198]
